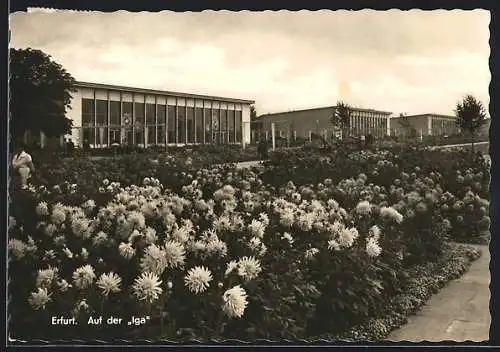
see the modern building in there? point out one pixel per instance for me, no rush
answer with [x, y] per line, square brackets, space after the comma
[424, 125]
[303, 123]
[105, 114]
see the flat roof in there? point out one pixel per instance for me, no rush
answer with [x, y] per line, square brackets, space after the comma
[427, 114]
[324, 108]
[82, 84]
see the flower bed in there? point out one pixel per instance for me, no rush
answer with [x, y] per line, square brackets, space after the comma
[194, 258]
[427, 279]
[463, 195]
[226, 253]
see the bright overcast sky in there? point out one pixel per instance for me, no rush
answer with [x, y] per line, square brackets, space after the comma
[399, 61]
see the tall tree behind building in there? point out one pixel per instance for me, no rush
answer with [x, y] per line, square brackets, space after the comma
[471, 116]
[253, 113]
[40, 93]
[341, 118]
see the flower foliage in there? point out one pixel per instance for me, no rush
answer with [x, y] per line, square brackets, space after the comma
[234, 253]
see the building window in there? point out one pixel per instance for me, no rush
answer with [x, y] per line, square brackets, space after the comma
[139, 114]
[88, 112]
[172, 124]
[114, 135]
[114, 113]
[223, 126]
[151, 123]
[215, 126]
[198, 117]
[102, 136]
[208, 125]
[230, 126]
[181, 123]
[127, 114]
[190, 124]
[101, 112]
[127, 133]
[101, 122]
[161, 120]
[139, 123]
[89, 135]
[238, 126]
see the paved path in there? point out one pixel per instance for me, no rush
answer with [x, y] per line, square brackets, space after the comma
[458, 312]
[457, 145]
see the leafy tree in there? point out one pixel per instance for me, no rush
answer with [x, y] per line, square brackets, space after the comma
[40, 92]
[404, 122]
[253, 113]
[471, 116]
[341, 118]
[256, 125]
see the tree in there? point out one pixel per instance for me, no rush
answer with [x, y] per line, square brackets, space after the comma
[471, 115]
[253, 113]
[255, 125]
[40, 92]
[404, 122]
[341, 118]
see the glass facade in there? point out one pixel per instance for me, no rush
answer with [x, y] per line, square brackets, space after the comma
[114, 122]
[134, 119]
[88, 121]
[238, 126]
[171, 124]
[161, 124]
[181, 123]
[190, 124]
[198, 118]
[151, 124]
[139, 115]
[101, 122]
[127, 134]
[230, 126]
[215, 126]
[364, 123]
[207, 114]
[223, 126]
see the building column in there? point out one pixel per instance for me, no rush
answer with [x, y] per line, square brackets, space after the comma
[165, 138]
[176, 121]
[235, 133]
[388, 125]
[121, 118]
[95, 122]
[156, 120]
[186, 122]
[429, 125]
[273, 134]
[204, 122]
[108, 122]
[144, 126]
[194, 122]
[132, 122]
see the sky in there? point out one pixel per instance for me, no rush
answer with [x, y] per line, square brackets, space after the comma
[399, 61]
